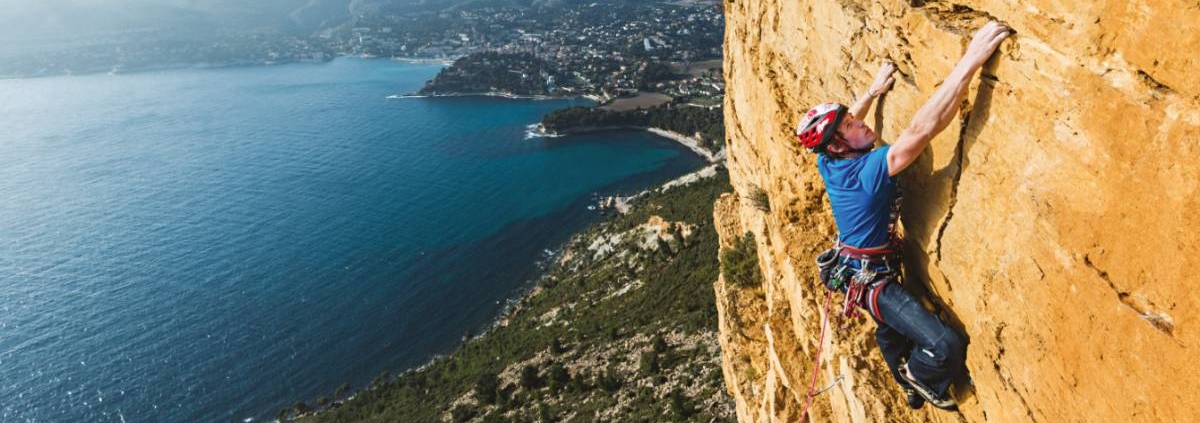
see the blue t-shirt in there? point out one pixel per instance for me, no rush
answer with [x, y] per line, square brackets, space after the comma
[861, 193]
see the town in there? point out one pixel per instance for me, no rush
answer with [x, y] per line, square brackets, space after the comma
[600, 49]
[605, 49]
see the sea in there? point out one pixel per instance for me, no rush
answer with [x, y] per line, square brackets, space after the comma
[212, 245]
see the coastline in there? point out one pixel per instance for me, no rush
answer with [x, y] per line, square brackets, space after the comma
[690, 142]
[514, 304]
[206, 65]
[419, 60]
[500, 94]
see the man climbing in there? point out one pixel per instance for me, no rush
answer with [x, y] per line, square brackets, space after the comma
[924, 354]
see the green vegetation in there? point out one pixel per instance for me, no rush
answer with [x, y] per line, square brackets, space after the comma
[687, 120]
[739, 264]
[759, 199]
[620, 334]
[652, 73]
[515, 73]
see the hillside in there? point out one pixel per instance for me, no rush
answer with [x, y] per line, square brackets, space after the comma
[622, 328]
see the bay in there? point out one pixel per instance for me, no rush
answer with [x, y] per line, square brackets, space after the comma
[209, 245]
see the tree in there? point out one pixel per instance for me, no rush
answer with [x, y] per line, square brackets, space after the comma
[609, 381]
[663, 247]
[529, 377]
[504, 395]
[485, 388]
[679, 405]
[557, 377]
[648, 365]
[658, 343]
[301, 408]
[462, 413]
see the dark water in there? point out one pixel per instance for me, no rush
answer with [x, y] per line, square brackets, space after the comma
[212, 245]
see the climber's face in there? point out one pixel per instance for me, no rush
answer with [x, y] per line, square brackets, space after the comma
[856, 133]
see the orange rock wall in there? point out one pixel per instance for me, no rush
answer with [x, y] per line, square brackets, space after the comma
[1057, 225]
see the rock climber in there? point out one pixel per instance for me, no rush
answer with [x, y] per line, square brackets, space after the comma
[924, 354]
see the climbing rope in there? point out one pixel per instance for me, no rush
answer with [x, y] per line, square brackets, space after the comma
[817, 361]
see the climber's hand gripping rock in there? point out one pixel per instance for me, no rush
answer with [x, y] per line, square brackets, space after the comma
[985, 41]
[883, 80]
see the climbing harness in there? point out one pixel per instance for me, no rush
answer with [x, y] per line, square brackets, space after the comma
[876, 268]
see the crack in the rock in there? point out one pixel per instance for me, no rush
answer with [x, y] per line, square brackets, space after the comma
[1153, 83]
[960, 161]
[1028, 410]
[1144, 308]
[951, 17]
[998, 335]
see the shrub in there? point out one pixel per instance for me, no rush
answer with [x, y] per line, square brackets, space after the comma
[658, 343]
[529, 377]
[495, 418]
[462, 413]
[648, 365]
[341, 391]
[504, 396]
[680, 406]
[609, 381]
[739, 263]
[381, 379]
[485, 388]
[759, 199]
[301, 407]
[557, 377]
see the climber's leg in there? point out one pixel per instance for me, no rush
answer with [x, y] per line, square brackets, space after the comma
[938, 353]
[895, 348]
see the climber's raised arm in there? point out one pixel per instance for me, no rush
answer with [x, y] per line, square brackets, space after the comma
[937, 112]
[883, 82]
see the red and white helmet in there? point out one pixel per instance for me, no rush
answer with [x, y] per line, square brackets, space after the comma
[819, 126]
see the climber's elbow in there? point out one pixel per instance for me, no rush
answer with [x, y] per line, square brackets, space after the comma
[908, 147]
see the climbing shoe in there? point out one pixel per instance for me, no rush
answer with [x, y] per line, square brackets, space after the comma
[915, 400]
[944, 402]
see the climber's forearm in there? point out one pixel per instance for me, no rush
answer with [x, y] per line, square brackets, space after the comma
[883, 82]
[932, 117]
[939, 110]
[862, 105]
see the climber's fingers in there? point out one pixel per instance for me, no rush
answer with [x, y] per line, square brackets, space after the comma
[986, 40]
[887, 68]
[1000, 34]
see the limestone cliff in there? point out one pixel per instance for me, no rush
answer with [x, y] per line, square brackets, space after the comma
[1057, 226]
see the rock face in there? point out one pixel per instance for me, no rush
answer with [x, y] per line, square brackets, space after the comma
[1057, 226]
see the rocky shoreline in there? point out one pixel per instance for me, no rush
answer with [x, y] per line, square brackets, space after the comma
[514, 304]
[691, 143]
[500, 94]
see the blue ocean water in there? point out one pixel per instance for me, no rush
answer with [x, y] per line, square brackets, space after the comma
[213, 245]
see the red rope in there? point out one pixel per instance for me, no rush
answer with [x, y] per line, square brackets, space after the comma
[817, 361]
